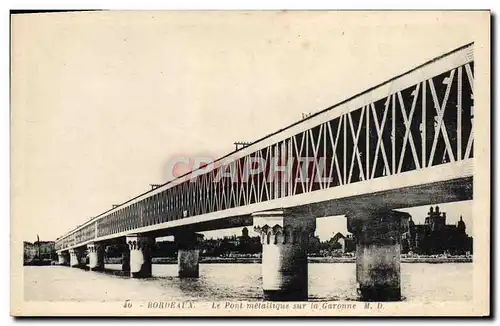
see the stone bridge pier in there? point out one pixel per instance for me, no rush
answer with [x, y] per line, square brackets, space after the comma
[378, 245]
[139, 255]
[188, 254]
[285, 238]
[77, 257]
[63, 258]
[96, 256]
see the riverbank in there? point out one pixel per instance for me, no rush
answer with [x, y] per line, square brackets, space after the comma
[427, 259]
[35, 262]
[322, 260]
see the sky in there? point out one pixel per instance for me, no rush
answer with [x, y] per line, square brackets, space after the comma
[102, 102]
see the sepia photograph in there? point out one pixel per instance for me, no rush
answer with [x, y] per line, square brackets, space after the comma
[250, 163]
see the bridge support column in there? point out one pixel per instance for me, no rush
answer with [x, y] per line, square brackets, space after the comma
[126, 260]
[140, 255]
[188, 254]
[75, 257]
[96, 256]
[378, 241]
[62, 258]
[285, 238]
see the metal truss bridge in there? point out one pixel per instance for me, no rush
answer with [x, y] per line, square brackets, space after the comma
[406, 142]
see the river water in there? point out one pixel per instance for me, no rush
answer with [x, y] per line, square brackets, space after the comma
[327, 282]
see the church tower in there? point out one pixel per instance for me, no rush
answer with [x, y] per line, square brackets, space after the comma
[411, 235]
[429, 216]
[244, 233]
[461, 225]
[436, 219]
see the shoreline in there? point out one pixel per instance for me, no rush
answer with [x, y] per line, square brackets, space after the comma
[316, 260]
[311, 260]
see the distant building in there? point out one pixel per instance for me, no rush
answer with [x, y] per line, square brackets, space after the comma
[30, 251]
[346, 242]
[43, 250]
[435, 236]
[47, 249]
[336, 237]
[247, 244]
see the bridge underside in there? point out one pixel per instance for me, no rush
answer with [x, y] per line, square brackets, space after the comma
[439, 192]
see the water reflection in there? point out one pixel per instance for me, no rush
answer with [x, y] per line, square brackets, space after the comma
[234, 282]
